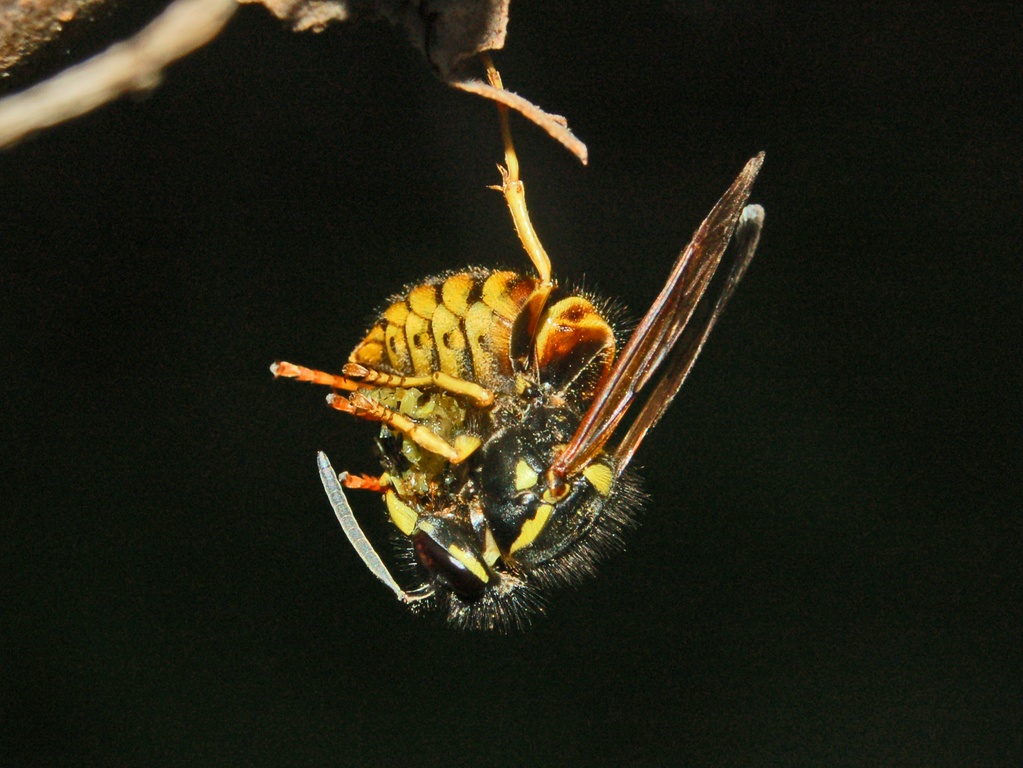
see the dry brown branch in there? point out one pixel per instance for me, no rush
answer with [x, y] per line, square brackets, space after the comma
[25, 26]
[449, 32]
[306, 15]
[133, 65]
[555, 125]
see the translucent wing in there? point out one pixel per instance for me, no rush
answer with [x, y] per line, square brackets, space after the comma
[661, 327]
[744, 245]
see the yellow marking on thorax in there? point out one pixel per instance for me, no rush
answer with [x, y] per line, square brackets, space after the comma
[420, 342]
[423, 300]
[455, 293]
[532, 528]
[600, 477]
[525, 476]
[491, 553]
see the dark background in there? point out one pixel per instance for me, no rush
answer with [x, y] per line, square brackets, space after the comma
[829, 570]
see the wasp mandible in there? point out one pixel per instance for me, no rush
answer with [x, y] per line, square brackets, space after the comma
[498, 394]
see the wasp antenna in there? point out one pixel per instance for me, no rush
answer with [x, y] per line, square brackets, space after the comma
[358, 540]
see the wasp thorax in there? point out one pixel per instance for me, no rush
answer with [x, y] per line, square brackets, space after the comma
[531, 522]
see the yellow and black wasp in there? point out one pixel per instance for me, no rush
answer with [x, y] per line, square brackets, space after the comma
[498, 394]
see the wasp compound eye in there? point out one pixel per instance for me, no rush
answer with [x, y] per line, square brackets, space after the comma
[445, 552]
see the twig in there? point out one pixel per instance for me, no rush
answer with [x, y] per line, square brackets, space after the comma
[133, 65]
[555, 125]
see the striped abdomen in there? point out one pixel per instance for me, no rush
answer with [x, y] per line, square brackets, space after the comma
[459, 324]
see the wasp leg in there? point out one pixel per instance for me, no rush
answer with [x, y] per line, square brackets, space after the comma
[363, 407]
[514, 192]
[515, 196]
[437, 380]
[301, 373]
[357, 375]
[365, 482]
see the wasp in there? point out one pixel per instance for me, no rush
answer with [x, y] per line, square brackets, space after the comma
[498, 394]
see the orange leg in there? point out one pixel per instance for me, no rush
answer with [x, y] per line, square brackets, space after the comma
[357, 376]
[365, 482]
[437, 380]
[359, 405]
[301, 373]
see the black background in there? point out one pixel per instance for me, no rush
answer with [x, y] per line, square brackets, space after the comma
[829, 570]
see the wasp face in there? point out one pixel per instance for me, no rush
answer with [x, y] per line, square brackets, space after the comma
[523, 523]
[531, 521]
[531, 531]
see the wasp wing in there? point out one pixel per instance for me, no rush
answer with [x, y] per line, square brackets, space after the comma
[744, 245]
[659, 330]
